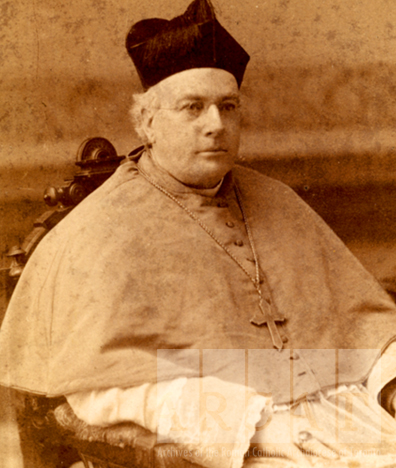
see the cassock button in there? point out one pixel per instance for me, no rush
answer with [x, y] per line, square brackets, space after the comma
[285, 339]
[304, 436]
[239, 243]
[230, 224]
[295, 357]
[222, 204]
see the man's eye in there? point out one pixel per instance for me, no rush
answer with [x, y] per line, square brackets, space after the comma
[194, 106]
[228, 106]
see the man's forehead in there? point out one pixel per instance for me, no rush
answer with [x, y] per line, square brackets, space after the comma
[210, 83]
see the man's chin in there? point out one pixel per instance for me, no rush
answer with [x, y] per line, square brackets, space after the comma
[208, 178]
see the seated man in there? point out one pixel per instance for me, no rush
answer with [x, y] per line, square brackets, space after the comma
[202, 299]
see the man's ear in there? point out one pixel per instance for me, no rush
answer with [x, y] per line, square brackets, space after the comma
[147, 124]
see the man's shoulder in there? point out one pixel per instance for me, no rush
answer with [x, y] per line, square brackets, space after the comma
[123, 180]
[99, 211]
[256, 184]
[263, 194]
[126, 172]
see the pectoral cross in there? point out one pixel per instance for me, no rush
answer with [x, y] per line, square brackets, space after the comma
[267, 317]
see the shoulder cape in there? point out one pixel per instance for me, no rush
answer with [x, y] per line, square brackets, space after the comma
[128, 273]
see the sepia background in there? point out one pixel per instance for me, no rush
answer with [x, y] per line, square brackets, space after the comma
[319, 97]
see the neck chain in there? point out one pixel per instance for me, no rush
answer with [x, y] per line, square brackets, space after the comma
[259, 319]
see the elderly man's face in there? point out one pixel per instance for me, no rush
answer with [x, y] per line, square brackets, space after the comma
[195, 134]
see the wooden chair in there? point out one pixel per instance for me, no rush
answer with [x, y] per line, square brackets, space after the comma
[52, 436]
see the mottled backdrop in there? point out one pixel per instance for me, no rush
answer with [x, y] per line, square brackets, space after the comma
[321, 77]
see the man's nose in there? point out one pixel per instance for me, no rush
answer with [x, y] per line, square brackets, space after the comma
[213, 120]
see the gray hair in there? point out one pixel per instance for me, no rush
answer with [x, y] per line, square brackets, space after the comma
[143, 101]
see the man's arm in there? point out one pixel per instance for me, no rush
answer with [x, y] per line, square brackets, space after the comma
[205, 414]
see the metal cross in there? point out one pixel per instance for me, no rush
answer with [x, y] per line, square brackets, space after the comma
[268, 318]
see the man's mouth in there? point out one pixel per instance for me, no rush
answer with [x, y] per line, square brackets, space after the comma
[213, 150]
